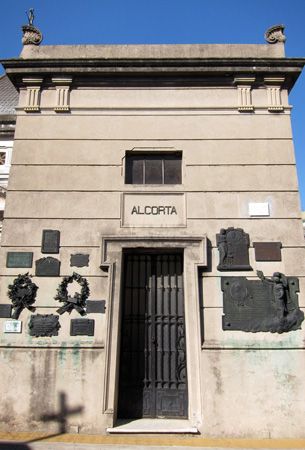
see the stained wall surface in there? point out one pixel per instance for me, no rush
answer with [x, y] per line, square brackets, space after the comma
[68, 174]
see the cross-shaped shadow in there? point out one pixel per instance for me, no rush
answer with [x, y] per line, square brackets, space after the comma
[61, 417]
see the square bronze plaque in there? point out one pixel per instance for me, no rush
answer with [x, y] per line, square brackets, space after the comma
[95, 306]
[50, 241]
[19, 259]
[267, 251]
[82, 327]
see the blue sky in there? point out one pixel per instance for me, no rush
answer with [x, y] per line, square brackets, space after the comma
[166, 22]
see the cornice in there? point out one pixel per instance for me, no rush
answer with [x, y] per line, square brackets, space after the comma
[177, 69]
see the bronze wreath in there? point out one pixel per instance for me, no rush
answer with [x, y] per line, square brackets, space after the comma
[78, 302]
[22, 294]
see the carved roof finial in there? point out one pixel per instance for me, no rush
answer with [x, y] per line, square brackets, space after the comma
[31, 35]
[275, 34]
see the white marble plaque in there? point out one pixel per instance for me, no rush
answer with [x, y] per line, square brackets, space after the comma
[12, 326]
[153, 210]
[259, 209]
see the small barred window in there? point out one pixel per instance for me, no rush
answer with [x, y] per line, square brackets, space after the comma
[153, 168]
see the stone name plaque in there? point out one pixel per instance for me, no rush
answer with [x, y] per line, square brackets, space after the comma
[19, 259]
[82, 327]
[79, 260]
[267, 251]
[268, 304]
[5, 311]
[47, 267]
[95, 306]
[154, 210]
[50, 241]
[259, 209]
[44, 325]
[12, 326]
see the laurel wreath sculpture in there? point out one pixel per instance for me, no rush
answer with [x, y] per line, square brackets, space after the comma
[78, 301]
[22, 294]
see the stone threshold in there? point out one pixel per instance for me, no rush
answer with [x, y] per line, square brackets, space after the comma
[154, 426]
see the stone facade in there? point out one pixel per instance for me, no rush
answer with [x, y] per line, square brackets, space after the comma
[82, 111]
[8, 100]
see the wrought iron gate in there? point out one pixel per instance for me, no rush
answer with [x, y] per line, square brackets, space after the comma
[153, 381]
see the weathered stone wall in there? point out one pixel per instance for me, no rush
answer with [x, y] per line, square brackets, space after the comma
[68, 173]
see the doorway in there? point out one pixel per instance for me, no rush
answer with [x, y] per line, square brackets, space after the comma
[153, 374]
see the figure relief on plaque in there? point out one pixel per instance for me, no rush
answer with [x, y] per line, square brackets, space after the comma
[280, 291]
[233, 248]
[268, 304]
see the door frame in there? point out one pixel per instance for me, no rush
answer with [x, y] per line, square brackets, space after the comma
[194, 256]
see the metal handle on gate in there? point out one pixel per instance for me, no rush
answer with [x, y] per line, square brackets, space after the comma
[153, 339]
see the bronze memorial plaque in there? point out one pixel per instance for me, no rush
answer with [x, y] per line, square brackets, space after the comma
[19, 259]
[44, 325]
[268, 304]
[50, 241]
[95, 306]
[47, 267]
[5, 311]
[267, 251]
[79, 260]
[82, 327]
[233, 248]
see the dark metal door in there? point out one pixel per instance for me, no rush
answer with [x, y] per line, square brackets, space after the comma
[153, 381]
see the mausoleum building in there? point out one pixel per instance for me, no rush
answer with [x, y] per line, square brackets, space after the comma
[152, 259]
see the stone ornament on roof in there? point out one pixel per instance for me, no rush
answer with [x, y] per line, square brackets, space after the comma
[31, 34]
[275, 34]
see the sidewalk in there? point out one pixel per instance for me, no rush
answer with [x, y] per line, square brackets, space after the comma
[40, 441]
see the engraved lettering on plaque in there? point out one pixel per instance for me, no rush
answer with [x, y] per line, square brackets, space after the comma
[79, 260]
[47, 267]
[5, 311]
[233, 247]
[82, 327]
[268, 304]
[267, 251]
[50, 241]
[95, 306]
[19, 259]
[44, 325]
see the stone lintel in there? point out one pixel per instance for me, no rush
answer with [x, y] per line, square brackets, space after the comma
[274, 80]
[62, 81]
[32, 81]
[244, 81]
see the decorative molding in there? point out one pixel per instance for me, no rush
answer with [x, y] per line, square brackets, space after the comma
[244, 98]
[31, 35]
[62, 93]
[33, 90]
[275, 34]
[273, 86]
[274, 80]
[195, 256]
[274, 99]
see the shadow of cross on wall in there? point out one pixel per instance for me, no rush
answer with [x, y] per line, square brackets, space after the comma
[63, 414]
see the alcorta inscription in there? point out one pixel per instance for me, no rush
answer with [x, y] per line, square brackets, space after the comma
[154, 210]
